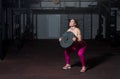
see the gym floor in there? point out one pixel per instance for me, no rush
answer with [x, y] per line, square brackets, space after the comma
[44, 59]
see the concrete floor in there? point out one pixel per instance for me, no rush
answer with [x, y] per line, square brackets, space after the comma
[45, 59]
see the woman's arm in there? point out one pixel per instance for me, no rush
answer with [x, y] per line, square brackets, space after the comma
[79, 36]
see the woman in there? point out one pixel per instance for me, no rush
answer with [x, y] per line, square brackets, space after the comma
[79, 45]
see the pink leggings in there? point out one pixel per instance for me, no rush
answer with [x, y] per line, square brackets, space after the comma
[80, 48]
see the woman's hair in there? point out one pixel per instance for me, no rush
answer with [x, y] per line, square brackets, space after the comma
[76, 22]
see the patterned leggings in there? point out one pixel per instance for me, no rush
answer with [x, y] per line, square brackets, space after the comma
[80, 48]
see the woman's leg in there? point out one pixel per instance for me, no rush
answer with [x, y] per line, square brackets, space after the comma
[67, 56]
[82, 58]
[81, 55]
[67, 59]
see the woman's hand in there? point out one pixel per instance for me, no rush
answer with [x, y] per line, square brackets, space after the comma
[74, 39]
[60, 39]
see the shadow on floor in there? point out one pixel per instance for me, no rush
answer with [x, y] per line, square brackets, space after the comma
[95, 61]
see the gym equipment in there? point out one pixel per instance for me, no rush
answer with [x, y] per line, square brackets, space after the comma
[67, 39]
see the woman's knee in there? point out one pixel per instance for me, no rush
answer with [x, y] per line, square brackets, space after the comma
[80, 54]
[81, 51]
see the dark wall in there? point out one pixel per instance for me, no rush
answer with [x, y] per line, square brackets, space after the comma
[0, 31]
[2, 42]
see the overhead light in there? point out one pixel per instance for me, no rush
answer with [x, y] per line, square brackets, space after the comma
[56, 1]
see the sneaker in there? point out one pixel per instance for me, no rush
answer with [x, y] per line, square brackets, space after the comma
[67, 67]
[83, 69]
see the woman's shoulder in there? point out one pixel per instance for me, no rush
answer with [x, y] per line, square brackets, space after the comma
[78, 29]
[68, 29]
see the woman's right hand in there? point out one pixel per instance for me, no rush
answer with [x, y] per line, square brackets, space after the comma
[60, 39]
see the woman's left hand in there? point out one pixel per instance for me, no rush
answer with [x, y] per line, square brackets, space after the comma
[74, 39]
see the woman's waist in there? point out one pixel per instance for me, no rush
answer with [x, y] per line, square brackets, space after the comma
[79, 44]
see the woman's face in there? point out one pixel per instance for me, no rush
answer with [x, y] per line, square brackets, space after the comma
[72, 23]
